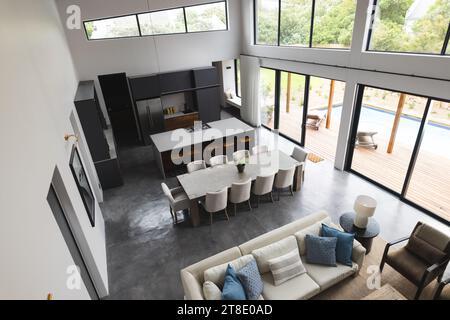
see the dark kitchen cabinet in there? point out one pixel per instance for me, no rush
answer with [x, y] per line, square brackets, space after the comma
[208, 104]
[176, 81]
[145, 87]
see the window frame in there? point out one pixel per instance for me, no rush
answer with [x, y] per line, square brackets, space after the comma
[225, 2]
[237, 80]
[370, 33]
[311, 30]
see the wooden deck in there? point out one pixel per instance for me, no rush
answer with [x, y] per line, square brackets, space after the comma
[430, 182]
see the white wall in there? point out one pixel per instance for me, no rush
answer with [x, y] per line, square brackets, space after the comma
[37, 87]
[147, 54]
[354, 66]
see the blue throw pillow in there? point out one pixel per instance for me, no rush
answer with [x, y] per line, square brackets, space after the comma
[251, 280]
[321, 250]
[232, 288]
[344, 246]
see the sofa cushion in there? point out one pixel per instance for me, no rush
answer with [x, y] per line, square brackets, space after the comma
[326, 276]
[251, 280]
[313, 229]
[344, 246]
[298, 288]
[217, 274]
[232, 287]
[424, 250]
[286, 267]
[274, 250]
[321, 250]
[211, 291]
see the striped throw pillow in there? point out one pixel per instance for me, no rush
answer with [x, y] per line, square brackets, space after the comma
[286, 267]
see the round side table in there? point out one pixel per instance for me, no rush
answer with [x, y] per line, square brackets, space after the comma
[364, 236]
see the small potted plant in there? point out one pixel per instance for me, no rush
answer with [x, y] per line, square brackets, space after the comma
[241, 165]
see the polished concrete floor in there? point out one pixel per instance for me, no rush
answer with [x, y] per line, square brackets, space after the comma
[146, 252]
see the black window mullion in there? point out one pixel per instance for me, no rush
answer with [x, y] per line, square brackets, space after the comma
[354, 126]
[372, 20]
[416, 149]
[254, 21]
[305, 110]
[276, 124]
[238, 91]
[446, 40]
[139, 25]
[311, 29]
[185, 20]
[279, 23]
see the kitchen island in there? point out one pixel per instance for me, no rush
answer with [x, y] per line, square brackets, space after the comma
[174, 149]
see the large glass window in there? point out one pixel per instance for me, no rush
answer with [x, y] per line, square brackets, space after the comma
[162, 22]
[292, 104]
[267, 91]
[112, 28]
[198, 18]
[295, 22]
[429, 186]
[267, 22]
[207, 17]
[416, 26]
[387, 130]
[333, 23]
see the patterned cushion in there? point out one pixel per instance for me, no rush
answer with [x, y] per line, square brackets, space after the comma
[344, 245]
[251, 280]
[321, 250]
[286, 267]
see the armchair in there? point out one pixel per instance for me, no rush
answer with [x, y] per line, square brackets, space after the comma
[442, 284]
[423, 259]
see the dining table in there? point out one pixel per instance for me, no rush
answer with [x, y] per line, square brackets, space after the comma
[198, 183]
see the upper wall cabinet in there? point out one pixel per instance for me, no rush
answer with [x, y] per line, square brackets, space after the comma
[204, 77]
[145, 87]
[176, 81]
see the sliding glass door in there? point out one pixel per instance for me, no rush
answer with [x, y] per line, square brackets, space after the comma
[292, 104]
[429, 185]
[401, 142]
[267, 93]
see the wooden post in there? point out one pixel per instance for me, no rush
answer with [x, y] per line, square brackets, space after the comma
[330, 104]
[398, 114]
[288, 93]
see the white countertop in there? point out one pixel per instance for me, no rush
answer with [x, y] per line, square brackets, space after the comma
[180, 138]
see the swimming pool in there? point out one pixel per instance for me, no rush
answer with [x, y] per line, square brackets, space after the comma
[436, 138]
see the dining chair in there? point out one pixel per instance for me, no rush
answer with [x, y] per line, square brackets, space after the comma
[196, 166]
[300, 155]
[284, 179]
[263, 186]
[241, 154]
[216, 202]
[178, 200]
[218, 161]
[260, 149]
[240, 192]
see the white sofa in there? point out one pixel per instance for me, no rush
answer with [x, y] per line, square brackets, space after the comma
[315, 280]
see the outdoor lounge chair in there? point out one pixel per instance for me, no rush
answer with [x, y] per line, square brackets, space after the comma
[364, 139]
[314, 119]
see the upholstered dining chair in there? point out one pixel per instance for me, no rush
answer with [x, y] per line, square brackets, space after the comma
[284, 180]
[260, 149]
[240, 192]
[424, 257]
[216, 202]
[196, 165]
[178, 200]
[218, 161]
[300, 155]
[240, 155]
[263, 186]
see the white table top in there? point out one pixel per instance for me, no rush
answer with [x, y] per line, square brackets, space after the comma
[198, 183]
[180, 138]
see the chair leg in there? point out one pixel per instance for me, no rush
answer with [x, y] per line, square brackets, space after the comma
[278, 194]
[257, 201]
[173, 217]
[210, 218]
[271, 196]
[226, 213]
[235, 205]
[291, 190]
[418, 293]
[249, 205]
